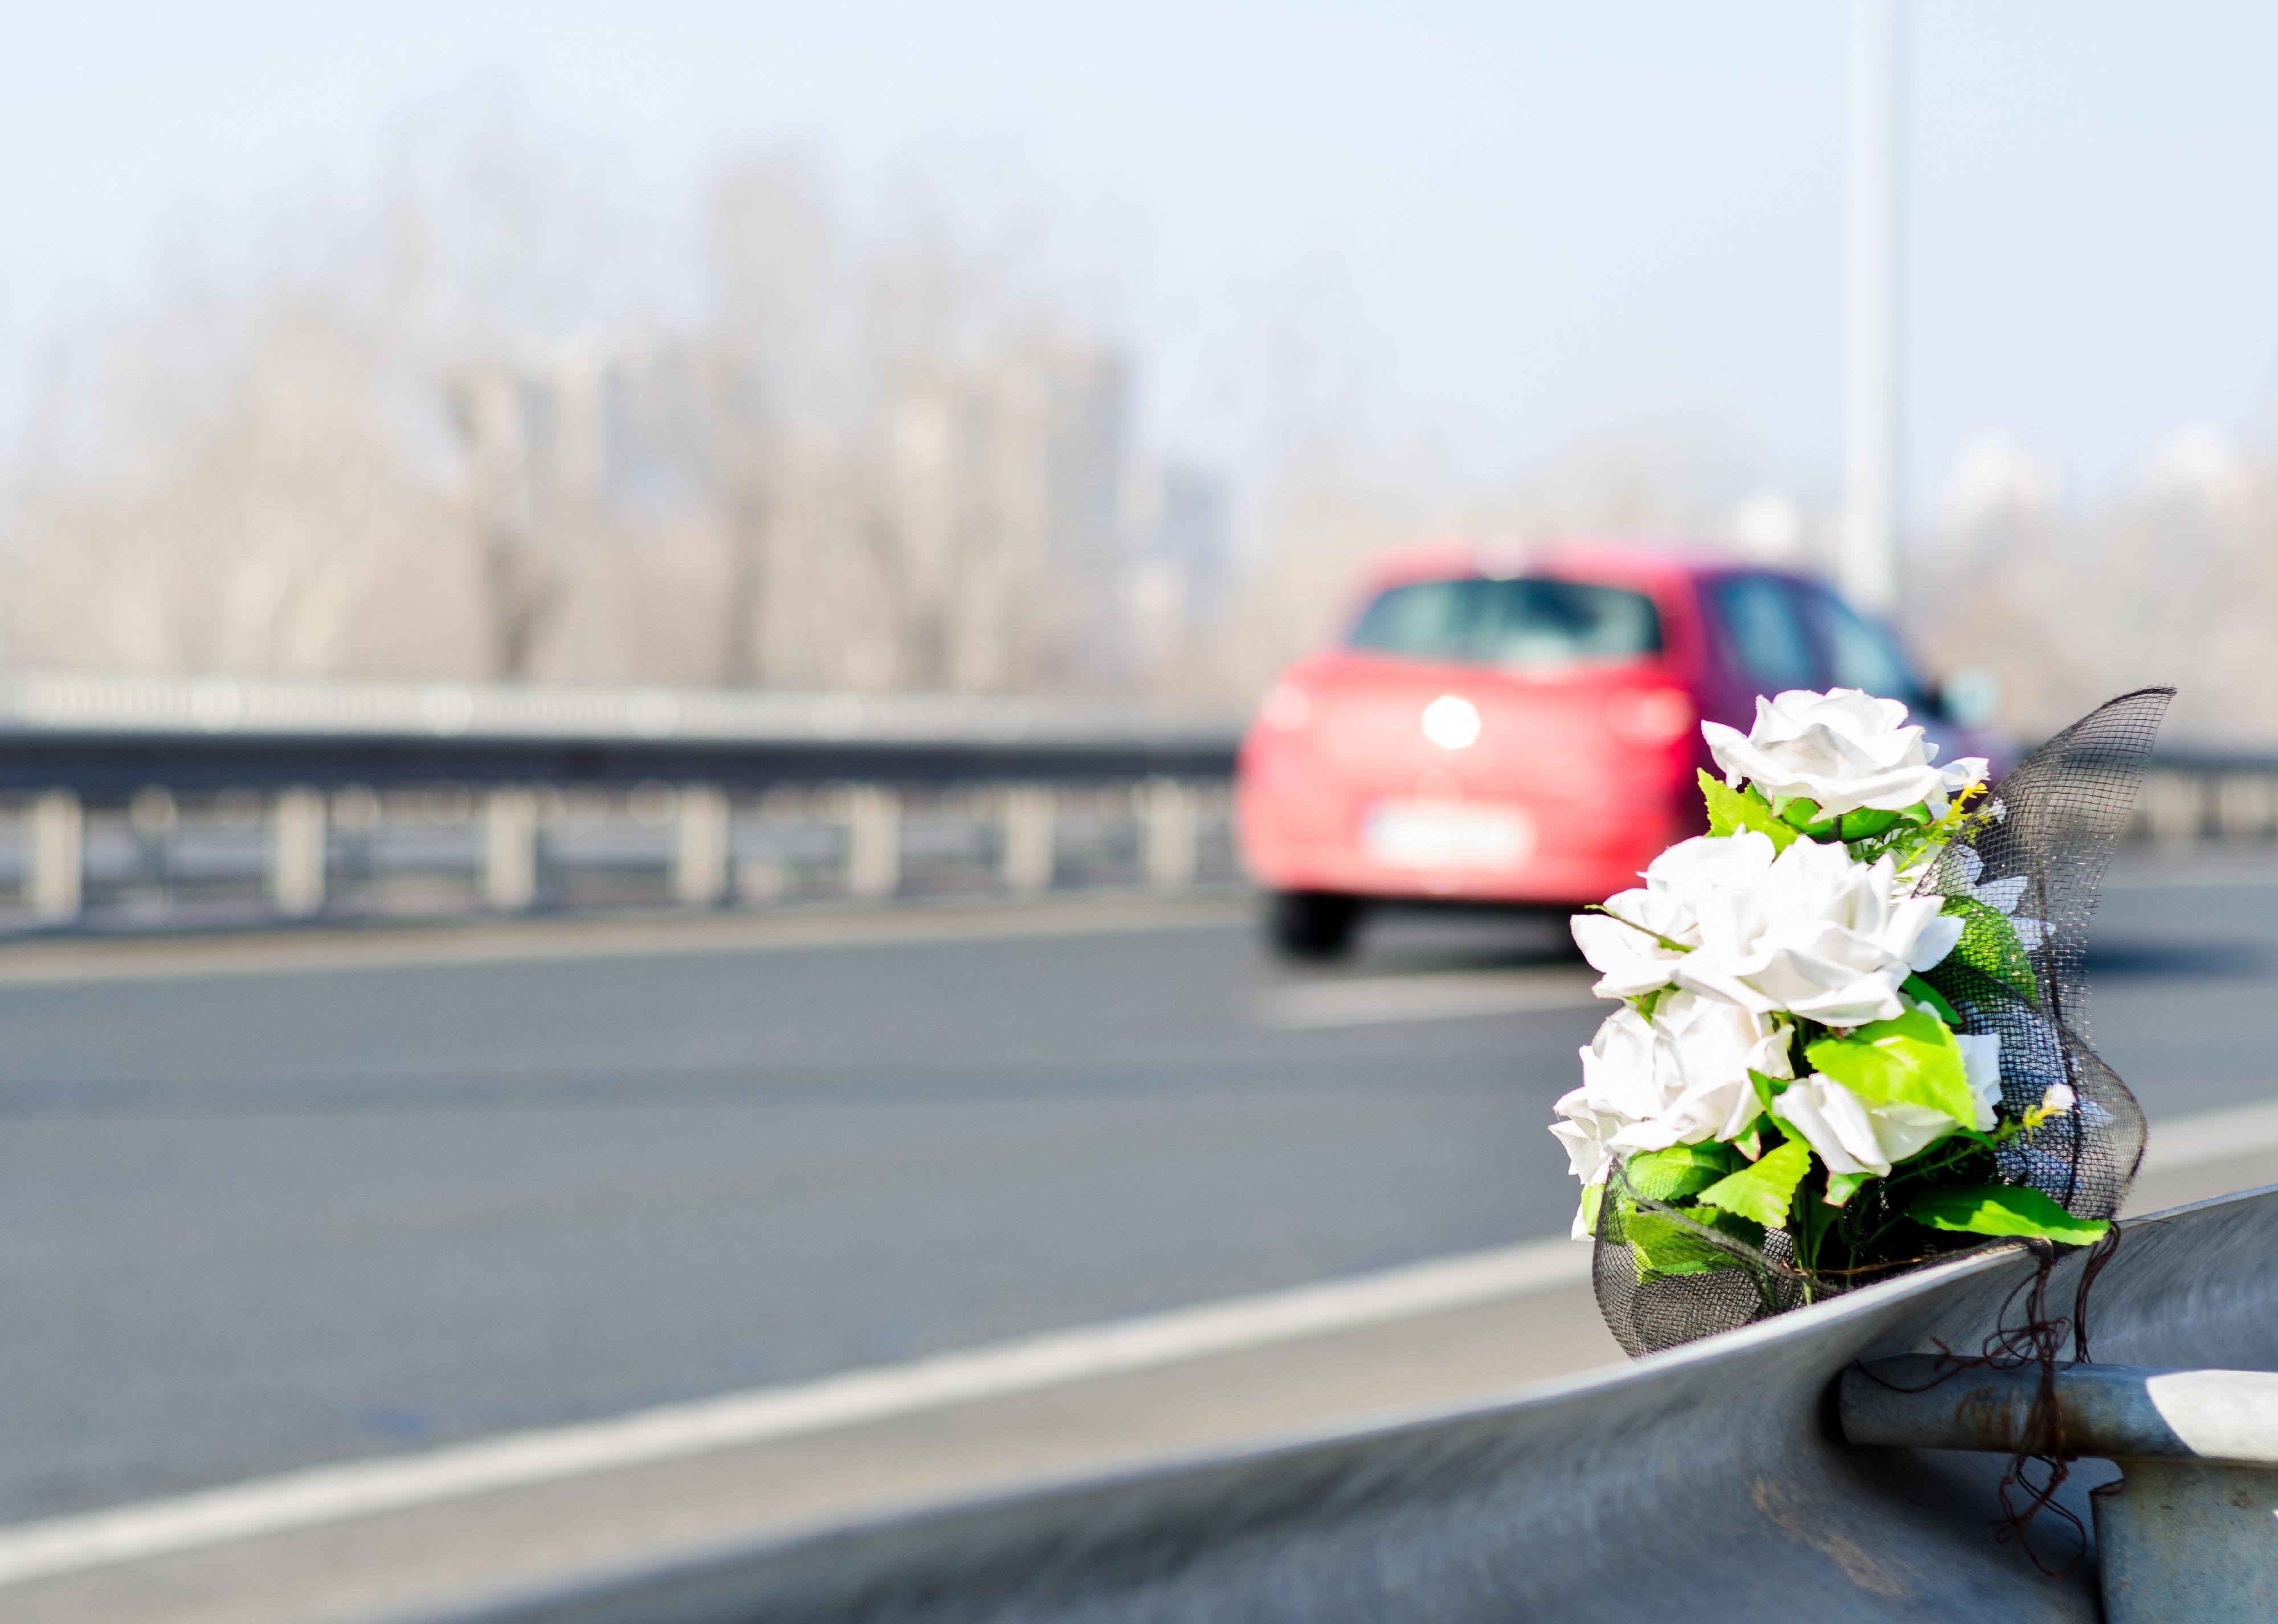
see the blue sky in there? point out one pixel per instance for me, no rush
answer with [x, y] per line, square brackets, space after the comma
[1531, 223]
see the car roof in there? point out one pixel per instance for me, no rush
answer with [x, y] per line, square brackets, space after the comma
[1647, 563]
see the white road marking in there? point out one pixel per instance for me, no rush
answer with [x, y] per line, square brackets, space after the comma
[1377, 1000]
[328, 1494]
[2207, 1136]
[558, 940]
[333, 1493]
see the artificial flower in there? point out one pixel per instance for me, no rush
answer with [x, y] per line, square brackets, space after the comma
[2002, 895]
[1853, 1136]
[1981, 1065]
[1628, 944]
[1843, 750]
[1818, 934]
[1617, 1068]
[1703, 1050]
[1679, 1078]
[1586, 1133]
[1637, 942]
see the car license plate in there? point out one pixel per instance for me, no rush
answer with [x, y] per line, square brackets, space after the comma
[1413, 834]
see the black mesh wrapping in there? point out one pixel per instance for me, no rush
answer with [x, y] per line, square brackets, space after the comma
[2061, 813]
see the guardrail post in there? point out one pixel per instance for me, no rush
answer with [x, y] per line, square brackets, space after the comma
[1026, 859]
[151, 815]
[873, 841]
[2187, 1531]
[2245, 803]
[1168, 810]
[296, 853]
[2171, 802]
[699, 848]
[58, 839]
[510, 850]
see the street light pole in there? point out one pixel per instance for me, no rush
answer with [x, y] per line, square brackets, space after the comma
[1867, 564]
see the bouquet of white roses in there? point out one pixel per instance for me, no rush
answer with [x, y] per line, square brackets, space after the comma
[1847, 1039]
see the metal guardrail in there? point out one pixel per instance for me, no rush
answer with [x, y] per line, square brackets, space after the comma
[2187, 1533]
[181, 801]
[1710, 1484]
[2201, 795]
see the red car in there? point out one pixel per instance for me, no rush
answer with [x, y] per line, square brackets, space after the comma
[1521, 726]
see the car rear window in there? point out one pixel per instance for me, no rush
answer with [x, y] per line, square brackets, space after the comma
[1526, 622]
[1861, 655]
[1764, 634]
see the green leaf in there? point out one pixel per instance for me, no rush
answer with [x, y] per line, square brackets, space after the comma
[1665, 1244]
[1765, 1087]
[1764, 1189]
[1679, 1171]
[1864, 824]
[1594, 1195]
[1731, 810]
[1928, 994]
[1842, 1186]
[1910, 1061]
[1989, 944]
[1859, 823]
[2003, 1209]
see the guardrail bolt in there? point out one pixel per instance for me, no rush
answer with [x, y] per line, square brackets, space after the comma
[2187, 1535]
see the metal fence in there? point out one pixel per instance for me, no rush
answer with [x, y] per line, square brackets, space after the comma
[159, 801]
[1710, 1484]
[128, 801]
[2192, 796]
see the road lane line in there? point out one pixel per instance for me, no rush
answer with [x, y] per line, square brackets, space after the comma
[334, 1493]
[328, 1494]
[551, 941]
[1378, 1000]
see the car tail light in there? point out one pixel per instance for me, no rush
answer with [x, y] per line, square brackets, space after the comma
[1650, 716]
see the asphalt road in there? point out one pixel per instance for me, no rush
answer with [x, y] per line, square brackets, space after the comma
[316, 1210]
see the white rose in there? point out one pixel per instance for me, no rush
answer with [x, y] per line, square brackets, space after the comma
[1586, 1131]
[1980, 1063]
[1678, 1079]
[1703, 1049]
[1617, 1083]
[1618, 1068]
[1627, 948]
[1691, 869]
[1843, 750]
[1632, 961]
[1819, 934]
[1852, 1137]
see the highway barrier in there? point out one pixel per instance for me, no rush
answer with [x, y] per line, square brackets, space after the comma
[182, 801]
[1713, 1483]
[186, 801]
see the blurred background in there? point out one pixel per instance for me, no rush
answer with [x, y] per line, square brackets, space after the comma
[622, 638]
[1016, 350]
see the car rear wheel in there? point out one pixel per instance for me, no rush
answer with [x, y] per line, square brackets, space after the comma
[1312, 924]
